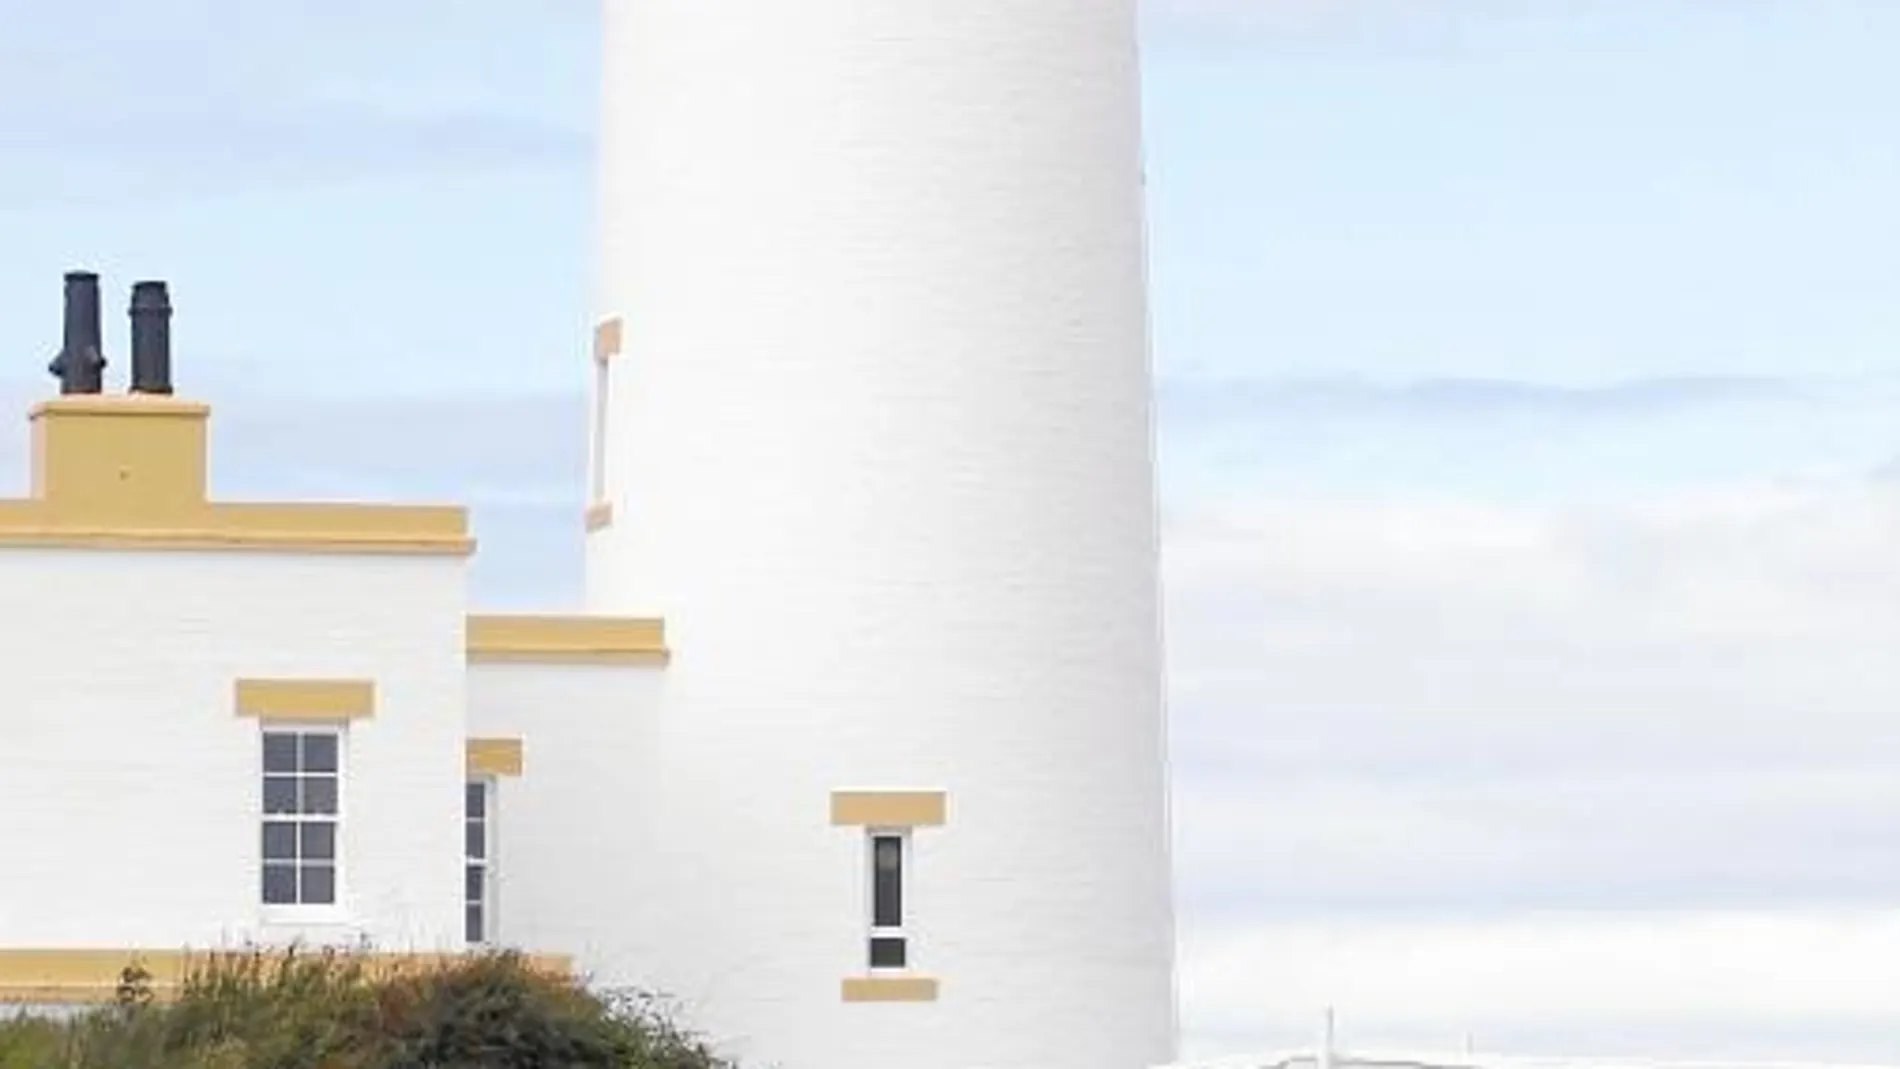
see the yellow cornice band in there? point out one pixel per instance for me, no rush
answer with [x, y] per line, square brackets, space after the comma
[494, 757]
[305, 699]
[888, 809]
[50, 976]
[566, 640]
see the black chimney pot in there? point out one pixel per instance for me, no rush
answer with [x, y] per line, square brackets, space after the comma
[80, 365]
[151, 338]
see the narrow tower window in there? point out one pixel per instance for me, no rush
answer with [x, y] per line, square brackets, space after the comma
[889, 944]
[606, 347]
[598, 491]
[479, 868]
[302, 780]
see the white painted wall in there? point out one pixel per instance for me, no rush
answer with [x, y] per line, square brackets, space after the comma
[131, 793]
[571, 873]
[881, 455]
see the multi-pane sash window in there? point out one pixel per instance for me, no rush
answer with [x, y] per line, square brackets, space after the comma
[889, 946]
[479, 850]
[302, 780]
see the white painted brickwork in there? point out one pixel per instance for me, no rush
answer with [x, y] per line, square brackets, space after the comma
[572, 872]
[131, 791]
[879, 452]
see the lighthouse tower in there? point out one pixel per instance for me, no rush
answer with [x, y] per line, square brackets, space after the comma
[873, 435]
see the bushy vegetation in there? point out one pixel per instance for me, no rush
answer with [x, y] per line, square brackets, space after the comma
[329, 1010]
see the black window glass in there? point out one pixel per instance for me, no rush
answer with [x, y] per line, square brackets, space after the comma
[280, 841]
[319, 794]
[477, 844]
[319, 884]
[319, 841]
[473, 927]
[319, 753]
[472, 882]
[477, 801]
[887, 882]
[280, 794]
[280, 884]
[887, 952]
[280, 752]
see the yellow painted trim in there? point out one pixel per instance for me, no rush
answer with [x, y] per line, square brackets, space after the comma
[121, 404]
[48, 976]
[566, 640]
[305, 699]
[494, 757]
[129, 472]
[608, 335]
[889, 809]
[600, 515]
[890, 989]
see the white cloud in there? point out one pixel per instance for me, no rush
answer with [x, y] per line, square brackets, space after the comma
[1576, 775]
[1744, 983]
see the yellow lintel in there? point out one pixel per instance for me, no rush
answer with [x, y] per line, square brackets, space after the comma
[305, 699]
[494, 757]
[888, 809]
[607, 339]
[890, 989]
[600, 515]
[61, 976]
[566, 639]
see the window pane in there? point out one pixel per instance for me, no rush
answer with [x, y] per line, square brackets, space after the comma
[319, 752]
[477, 844]
[280, 752]
[280, 841]
[477, 801]
[319, 884]
[280, 884]
[319, 841]
[887, 952]
[280, 794]
[319, 794]
[473, 929]
[887, 904]
[472, 883]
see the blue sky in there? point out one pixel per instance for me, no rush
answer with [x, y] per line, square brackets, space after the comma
[1546, 356]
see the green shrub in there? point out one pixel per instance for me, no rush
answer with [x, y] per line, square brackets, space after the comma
[328, 1010]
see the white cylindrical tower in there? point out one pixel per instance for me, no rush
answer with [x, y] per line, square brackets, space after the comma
[877, 441]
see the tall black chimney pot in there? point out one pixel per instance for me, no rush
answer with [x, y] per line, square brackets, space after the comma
[151, 338]
[80, 365]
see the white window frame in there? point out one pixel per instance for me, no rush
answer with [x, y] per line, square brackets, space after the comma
[603, 381]
[491, 792]
[906, 882]
[304, 912]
